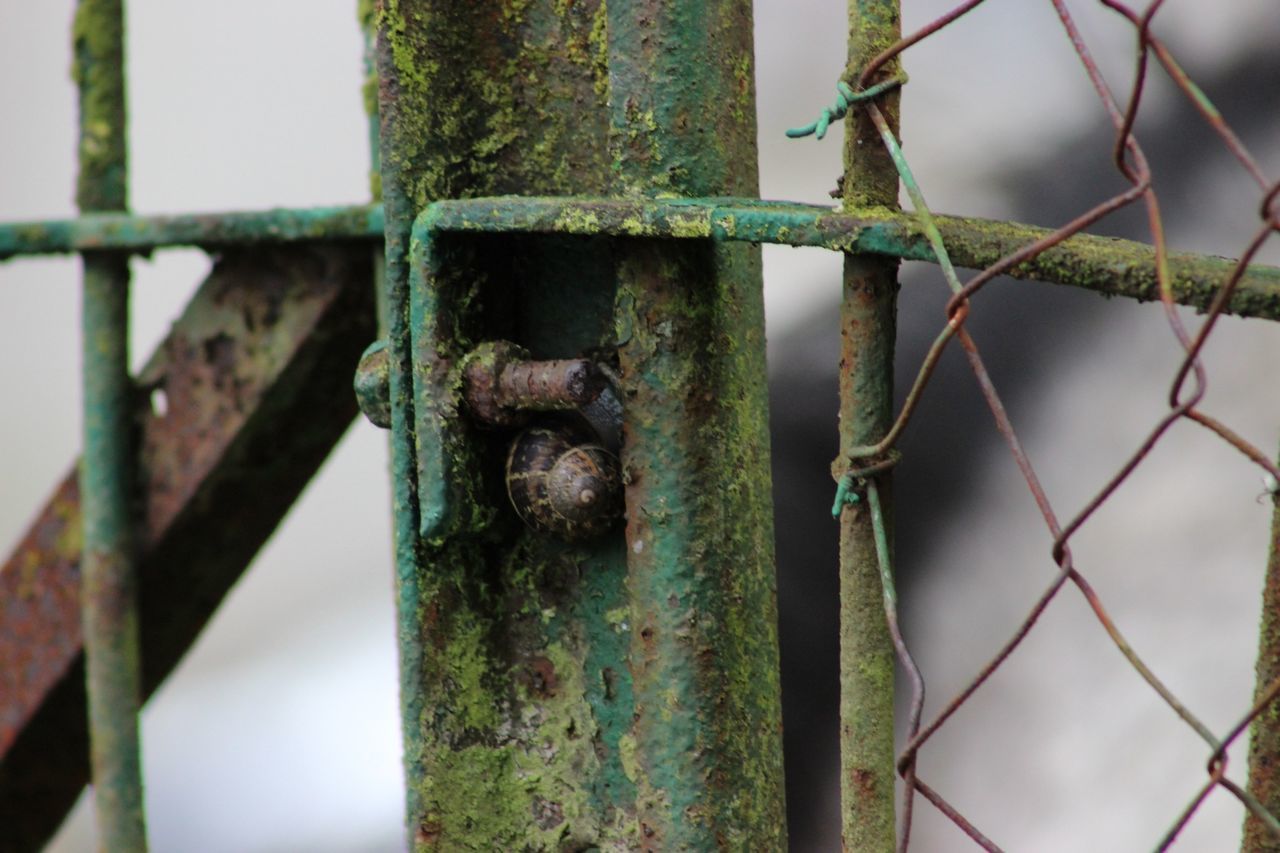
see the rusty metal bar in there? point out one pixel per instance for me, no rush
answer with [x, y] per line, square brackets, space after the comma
[867, 333]
[257, 376]
[514, 686]
[1108, 265]
[121, 231]
[700, 560]
[109, 588]
[530, 719]
[1264, 735]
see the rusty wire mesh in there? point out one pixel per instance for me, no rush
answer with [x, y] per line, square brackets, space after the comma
[1184, 399]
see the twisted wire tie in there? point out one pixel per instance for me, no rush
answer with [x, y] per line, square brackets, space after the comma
[845, 98]
[848, 485]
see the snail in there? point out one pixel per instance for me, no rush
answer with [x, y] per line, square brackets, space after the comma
[562, 481]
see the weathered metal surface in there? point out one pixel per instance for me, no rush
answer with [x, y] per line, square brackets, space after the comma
[373, 384]
[707, 758]
[1108, 265]
[514, 687]
[256, 375]
[210, 230]
[1264, 735]
[867, 334]
[501, 386]
[109, 590]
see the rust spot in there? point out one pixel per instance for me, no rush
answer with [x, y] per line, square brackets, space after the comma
[428, 833]
[540, 678]
[863, 781]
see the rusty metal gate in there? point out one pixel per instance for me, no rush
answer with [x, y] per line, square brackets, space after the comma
[566, 343]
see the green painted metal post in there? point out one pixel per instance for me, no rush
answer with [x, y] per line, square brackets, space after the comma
[514, 686]
[868, 322]
[109, 590]
[533, 716]
[704, 652]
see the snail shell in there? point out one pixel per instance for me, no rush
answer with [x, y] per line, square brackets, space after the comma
[561, 481]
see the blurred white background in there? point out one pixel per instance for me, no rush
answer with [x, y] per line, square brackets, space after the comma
[280, 729]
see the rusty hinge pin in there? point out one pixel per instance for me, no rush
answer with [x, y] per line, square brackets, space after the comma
[534, 386]
[501, 385]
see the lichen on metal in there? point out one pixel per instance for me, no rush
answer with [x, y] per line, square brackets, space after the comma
[1264, 734]
[121, 231]
[868, 314]
[516, 682]
[707, 756]
[512, 692]
[263, 350]
[1108, 265]
[109, 586]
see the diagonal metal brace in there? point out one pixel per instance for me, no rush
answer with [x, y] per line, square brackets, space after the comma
[257, 380]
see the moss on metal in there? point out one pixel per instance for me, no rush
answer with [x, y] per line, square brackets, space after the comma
[109, 593]
[120, 231]
[867, 333]
[505, 100]
[98, 68]
[514, 694]
[870, 180]
[683, 97]
[1107, 265]
[705, 748]
[485, 100]
[367, 17]
[1264, 735]
[707, 761]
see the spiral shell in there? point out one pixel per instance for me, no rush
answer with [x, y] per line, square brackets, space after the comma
[562, 482]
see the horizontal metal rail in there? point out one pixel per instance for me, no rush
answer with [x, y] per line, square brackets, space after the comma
[1107, 265]
[144, 233]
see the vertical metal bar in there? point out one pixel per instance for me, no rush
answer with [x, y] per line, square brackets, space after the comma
[704, 654]
[868, 321]
[1264, 735]
[109, 591]
[515, 692]
[518, 654]
[367, 16]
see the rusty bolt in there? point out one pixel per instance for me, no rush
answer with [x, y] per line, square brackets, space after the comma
[373, 384]
[501, 384]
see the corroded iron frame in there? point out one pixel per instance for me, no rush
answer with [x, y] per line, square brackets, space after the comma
[622, 694]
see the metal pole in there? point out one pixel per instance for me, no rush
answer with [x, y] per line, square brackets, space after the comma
[109, 592]
[514, 688]
[1264, 735]
[704, 651]
[867, 318]
[533, 716]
